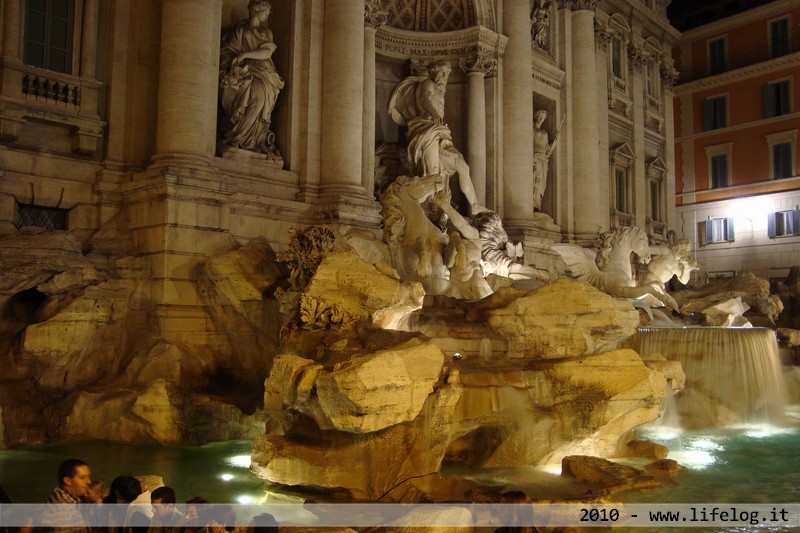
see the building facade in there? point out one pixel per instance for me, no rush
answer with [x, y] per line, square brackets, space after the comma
[736, 122]
[109, 118]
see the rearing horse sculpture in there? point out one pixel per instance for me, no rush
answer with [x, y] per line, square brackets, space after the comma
[610, 268]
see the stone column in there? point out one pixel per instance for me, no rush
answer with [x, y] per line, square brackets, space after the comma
[89, 39]
[638, 62]
[12, 26]
[585, 123]
[188, 74]
[342, 99]
[517, 117]
[374, 18]
[477, 66]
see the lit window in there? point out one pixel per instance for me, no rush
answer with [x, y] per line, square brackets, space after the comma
[49, 33]
[784, 223]
[716, 56]
[779, 37]
[777, 99]
[718, 230]
[715, 113]
[49, 218]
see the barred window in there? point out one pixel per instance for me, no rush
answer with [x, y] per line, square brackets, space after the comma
[49, 218]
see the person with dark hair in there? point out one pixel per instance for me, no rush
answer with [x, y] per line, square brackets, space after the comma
[74, 482]
[166, 519]
[263, 523]
[221, 518]
[196, 512]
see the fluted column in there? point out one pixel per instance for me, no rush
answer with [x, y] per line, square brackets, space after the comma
[374, 18]
[477, 67]
[89, 39]
[517, 116]
[342, 98]
[12, 26]
[187, 88]
[584, 121]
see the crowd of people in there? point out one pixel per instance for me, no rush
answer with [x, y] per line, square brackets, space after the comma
[138, 510]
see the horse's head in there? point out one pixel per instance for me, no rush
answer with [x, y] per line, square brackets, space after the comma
[639, 243]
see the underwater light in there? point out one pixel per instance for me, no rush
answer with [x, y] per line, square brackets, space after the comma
[704, 444]
[244, 499]
[241, 461]
[697, 459]
[226, 477]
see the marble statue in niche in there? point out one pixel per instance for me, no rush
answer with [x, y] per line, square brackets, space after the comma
[540, 23]
[542, 150]
[418, 102]
[249, 83]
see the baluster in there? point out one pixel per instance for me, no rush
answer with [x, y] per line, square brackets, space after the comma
[26, 84]
[75, 98]
[55, 91]
[65, 93]
[46, 89]
[36, 86]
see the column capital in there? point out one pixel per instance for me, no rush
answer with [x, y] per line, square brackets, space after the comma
[602, 35]
[374, 15]
[578, 5]
[480, 61]
[669, 76]
[638, 57]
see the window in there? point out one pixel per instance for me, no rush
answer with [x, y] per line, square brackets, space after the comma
[715, 113]
[719, 171]
[652, 78]
[782, 161]
[616, 56]
[621, 190]
[777, 99]
[49, 218]
[782, 154]
[779, 37]
[784, 223]
[716, 56]
[718, 230]
[49, 34]
[655, 200]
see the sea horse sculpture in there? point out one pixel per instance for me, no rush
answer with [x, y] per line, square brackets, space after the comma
[609, 269]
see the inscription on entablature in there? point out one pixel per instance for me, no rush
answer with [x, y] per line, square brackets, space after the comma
[411, 51]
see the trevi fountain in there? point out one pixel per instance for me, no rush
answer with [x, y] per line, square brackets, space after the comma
[423, 359]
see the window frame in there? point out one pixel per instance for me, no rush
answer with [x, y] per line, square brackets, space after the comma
[782, 137]
[711, 117]
[770, 102]
[713, 68]
[777, 220]
[74, 29]
[722, 227]
[771, 36]
[616, 38]
[726, 150]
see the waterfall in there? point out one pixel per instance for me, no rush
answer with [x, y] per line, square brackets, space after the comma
[733, 375]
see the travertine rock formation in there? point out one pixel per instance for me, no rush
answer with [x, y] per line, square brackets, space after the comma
[393, 399]
[81, 354]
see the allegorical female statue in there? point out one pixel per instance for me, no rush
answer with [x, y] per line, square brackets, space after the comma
[249, 83]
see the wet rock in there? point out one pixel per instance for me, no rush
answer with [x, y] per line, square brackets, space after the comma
[647, 448]
[664, 468]
[610, 476]
[762, 308]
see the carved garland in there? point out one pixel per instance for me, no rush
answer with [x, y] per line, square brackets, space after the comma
[669, 76]
[637, 56]
[578, 5]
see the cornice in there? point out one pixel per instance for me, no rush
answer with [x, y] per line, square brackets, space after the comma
[732, 76]
[738, 20]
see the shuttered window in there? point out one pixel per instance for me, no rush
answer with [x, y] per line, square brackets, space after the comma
[777, 99]
[715, 113]
[784, 223]
[718, 230]
[779, 37]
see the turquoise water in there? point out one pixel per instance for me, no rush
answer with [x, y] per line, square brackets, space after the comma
[736, 465]
[218, 472]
